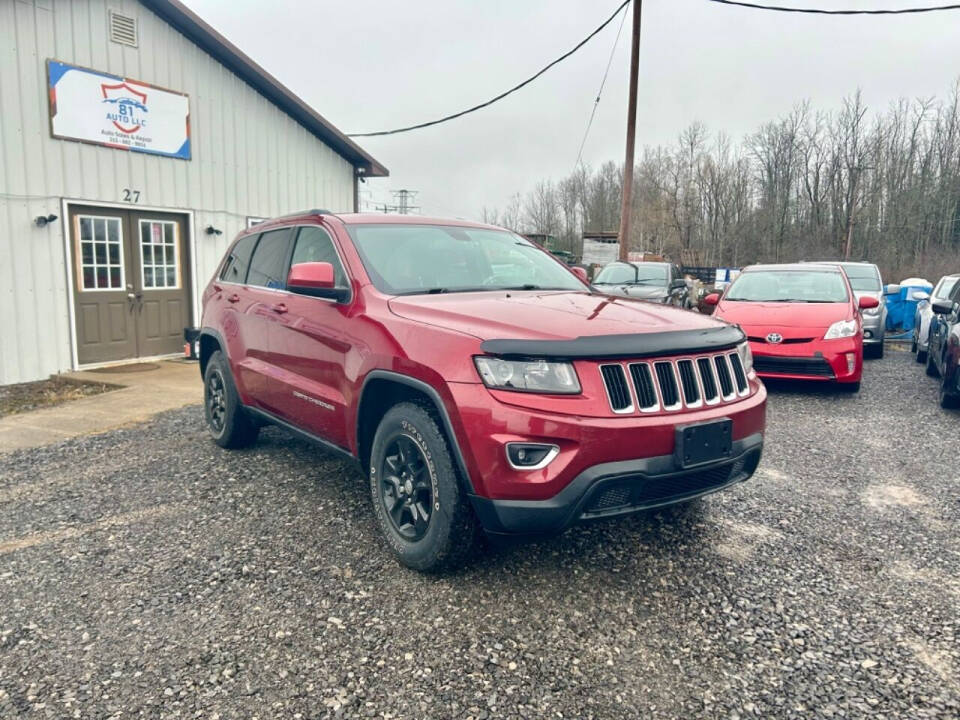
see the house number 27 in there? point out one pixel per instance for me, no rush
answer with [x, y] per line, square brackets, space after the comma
[131, 196]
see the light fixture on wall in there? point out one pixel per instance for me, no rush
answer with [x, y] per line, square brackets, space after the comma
[42, 220]
[211, 230]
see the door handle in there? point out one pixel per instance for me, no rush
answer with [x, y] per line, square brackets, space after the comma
[233, 298]
[279, 308]
[217, 288]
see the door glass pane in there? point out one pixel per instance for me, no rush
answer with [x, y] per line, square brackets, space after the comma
[158, 254]
[267, 264]
[101, 253]
[314, 245]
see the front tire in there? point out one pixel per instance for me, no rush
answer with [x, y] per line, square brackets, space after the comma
[932, 366]
[420, 506]
[227, 423]
[921, 356]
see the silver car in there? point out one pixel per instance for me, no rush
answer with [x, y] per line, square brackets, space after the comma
[659, 282]
[921, 321]
[865, 281]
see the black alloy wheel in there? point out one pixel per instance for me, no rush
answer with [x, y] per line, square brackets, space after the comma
[406, 490]
[216, 397]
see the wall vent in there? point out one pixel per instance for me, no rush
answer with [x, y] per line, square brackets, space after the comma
[123, 29]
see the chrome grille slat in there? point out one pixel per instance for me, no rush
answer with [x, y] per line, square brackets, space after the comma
[644, 388]
[618, 390]
[669, 384]
[669, 388]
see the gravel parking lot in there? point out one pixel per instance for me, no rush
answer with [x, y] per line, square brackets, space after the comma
[148, 573]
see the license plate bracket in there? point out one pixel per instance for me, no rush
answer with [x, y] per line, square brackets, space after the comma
[702, 443]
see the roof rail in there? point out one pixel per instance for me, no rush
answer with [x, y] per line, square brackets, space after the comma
[313, 211]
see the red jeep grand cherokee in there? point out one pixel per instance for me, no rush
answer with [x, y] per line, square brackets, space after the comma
[480, 382]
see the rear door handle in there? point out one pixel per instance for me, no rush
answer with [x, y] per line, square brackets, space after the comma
[279, 308]
[233, 298]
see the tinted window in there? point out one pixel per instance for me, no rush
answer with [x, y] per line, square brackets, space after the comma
[640, 274]
[863, 278]
[235, 269]
[314, 245]
[788, 286]
[268, 265]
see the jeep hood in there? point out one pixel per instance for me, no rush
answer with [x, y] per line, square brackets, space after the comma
[545, 315]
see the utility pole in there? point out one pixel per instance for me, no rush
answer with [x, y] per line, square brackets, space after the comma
[404, 197]
[627, 191]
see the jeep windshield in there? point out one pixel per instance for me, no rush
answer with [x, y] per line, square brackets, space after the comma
[422, 259]
[788, 286]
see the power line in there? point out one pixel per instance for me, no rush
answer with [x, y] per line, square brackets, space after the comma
[501, 95]
[603, 82]
[817, 11]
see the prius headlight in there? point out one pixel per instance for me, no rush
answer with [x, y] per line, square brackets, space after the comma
[528, 375]
[841, 329]
[746, 357]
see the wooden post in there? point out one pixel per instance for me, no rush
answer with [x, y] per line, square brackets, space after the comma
[627, 190]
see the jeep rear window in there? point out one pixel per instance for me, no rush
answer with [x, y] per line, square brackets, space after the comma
[235, 268]
[418, 259]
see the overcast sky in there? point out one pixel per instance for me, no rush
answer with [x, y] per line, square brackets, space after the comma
[377, 64]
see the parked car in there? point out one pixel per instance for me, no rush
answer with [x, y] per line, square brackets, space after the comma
[943, 349]
[802, 321]
[865, 280]
[924, 314]
[472, 400]
[659, 282]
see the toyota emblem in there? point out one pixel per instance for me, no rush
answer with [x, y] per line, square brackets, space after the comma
[774, 338]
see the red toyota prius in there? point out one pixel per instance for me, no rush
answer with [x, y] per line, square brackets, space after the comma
[802, 322]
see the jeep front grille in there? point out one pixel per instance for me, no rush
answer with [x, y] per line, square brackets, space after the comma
[672, 384]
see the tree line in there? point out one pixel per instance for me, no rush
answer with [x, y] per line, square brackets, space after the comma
[883, 186]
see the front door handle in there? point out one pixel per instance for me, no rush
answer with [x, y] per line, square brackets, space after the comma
[233, 298]
[279, 308]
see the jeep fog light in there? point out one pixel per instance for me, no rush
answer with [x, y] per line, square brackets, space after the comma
[530, 456]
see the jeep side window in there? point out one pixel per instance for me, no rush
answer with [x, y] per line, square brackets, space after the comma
[235, 268]
[314, 245]
[268, 264]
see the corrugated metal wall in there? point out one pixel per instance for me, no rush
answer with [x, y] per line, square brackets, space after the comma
[249, 158]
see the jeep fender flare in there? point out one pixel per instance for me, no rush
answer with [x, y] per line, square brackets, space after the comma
[437, 402]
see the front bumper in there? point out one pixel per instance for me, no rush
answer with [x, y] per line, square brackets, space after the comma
[873, 329]
[826, 360]
[620, 488]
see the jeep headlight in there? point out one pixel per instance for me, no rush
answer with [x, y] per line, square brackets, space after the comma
[538, 376]
[746, 357]
[841, 329]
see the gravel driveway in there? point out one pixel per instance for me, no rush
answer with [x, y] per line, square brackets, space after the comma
[148, 573]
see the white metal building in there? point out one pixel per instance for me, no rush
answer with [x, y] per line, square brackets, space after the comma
[135, 142]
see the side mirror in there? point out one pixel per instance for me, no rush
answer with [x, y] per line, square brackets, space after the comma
[867, 302]
[892, 289]
[315, 279]
[942, 307]
[711, 299]
[580, 273]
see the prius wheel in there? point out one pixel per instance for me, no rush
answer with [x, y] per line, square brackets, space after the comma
[420, 506]
[227, 423]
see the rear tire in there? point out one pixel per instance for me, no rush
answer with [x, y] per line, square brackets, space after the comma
[227, 422]
[412, 470]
